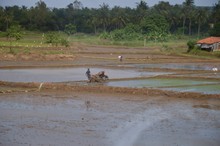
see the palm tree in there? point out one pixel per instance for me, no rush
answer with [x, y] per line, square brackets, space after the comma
[171, 13]
[174, 17]
[183, 15]
[118, 17]
[188, 13]
[93, 20]
[141, 10]
[77, 5]
[41, 14]
[216, 12]
[8, 17]
[201, 16]
[104, 15]
[191, 16]
[189, 2]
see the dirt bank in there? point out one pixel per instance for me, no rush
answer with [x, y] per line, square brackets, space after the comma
[85, 87]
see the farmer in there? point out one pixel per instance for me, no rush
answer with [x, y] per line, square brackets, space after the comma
[120, 58]
[88, 74]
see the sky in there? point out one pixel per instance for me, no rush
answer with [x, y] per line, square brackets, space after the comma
[97, 3]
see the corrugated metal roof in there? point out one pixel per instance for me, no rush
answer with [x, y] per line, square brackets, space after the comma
[209, 40]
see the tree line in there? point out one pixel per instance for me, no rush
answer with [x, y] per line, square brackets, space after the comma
[158, 20]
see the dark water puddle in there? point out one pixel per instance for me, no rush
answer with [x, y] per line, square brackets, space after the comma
[181, 85]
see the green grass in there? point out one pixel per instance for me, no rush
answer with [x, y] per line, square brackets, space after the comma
[95, 40]
[35, 39]
[31, 41]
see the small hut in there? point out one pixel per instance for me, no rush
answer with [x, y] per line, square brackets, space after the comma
[209, 44]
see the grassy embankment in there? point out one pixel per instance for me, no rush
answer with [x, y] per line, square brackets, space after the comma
[34, 42]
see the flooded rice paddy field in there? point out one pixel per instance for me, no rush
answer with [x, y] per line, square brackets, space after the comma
[184, 66]
[67, 74]
[94, 118]
[129, 75]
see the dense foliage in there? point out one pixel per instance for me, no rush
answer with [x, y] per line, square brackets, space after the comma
[117, 23]
[191, 45]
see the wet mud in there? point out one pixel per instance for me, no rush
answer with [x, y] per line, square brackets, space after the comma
[82, 118]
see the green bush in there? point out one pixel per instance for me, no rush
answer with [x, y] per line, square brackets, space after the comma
[130, 32]
[64, 42]
[191, 45]
[118, 35]
[70, 29]
[104, 35]
[52, 38]
[195, 51]
[55, 39]
[14, 31]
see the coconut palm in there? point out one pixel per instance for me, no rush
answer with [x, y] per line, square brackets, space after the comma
[104, 15]
[141, 11]
[118, 17]
[201, 16]
[8, 17]
[188, 13]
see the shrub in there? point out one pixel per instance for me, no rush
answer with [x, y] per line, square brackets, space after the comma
[104, 35]
[118, 35]
[14, 32]
[191, 45]
[195, 51]
[130, 32]
[64, 42]
[52, 38]
[55, 39]
[70, 29]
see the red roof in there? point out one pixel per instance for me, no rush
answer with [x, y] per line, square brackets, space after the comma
[209, 40]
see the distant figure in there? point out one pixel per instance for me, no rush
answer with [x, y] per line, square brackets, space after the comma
[214, 69]
[120, 58]
[88, 74]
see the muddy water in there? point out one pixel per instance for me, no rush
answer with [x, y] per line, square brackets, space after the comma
[110, 120]
[78, 74]
[66, 74]
[182, 85]
[186, 66]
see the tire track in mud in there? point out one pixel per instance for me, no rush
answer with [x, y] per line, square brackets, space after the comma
[174, 123]
[128, 132]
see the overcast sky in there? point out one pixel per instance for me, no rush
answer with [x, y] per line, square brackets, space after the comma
[97, 3]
